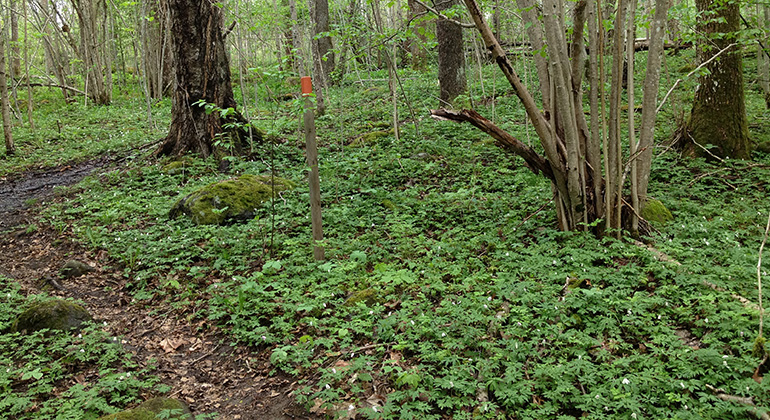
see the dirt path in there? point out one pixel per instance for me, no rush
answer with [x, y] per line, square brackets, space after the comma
[194, 358]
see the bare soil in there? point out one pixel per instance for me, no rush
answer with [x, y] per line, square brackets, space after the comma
[197, 360]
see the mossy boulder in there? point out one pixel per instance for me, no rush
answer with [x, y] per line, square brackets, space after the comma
[228, 201]
[175, 167]
[150, 409]
[368, 296]
[763, 147]
[655, 211]
[370, 138]
[55, 314]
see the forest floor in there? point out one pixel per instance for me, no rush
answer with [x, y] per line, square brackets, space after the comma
[200, 365]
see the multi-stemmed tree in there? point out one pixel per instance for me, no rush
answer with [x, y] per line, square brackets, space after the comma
[587, 169]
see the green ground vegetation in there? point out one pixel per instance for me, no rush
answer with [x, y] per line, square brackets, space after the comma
[447, 286]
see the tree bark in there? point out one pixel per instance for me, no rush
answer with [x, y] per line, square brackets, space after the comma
[202, 73]
[451, 57]
[15, 50]
[718, 116]
[94, 39]
[323, 44]
[419, 59]
[763, 53]
[156, 48]
[5, 104]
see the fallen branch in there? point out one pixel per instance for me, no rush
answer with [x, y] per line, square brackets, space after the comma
[535, 162]
[722, 395]
[759, 275]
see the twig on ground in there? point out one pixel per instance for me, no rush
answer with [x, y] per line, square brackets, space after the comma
[759, 275]
[722, 395]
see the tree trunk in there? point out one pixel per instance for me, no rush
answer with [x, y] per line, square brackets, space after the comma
[571, 159]
[203, 91]
[5, 104]
[763, 53]
[419, 59]
[718, 116]
[156, 48]
[56, 60]
[94, 50]
[322, 46]
[451, 57]
[15, 50]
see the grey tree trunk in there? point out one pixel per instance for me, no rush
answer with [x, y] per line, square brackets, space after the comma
[322, 46]
[156, 48]
[763, 53]
[95, 39]
[5, 103]
[451, 57]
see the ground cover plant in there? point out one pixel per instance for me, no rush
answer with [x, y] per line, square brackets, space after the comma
[63, 375]
[447, 291]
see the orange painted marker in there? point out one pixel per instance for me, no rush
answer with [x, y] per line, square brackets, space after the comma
[307, 85]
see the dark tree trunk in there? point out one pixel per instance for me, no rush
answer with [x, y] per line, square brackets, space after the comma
[718, 114]
[202, 74]
[451, 58]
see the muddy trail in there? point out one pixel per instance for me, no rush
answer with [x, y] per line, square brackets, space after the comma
[194, 358]
[33, 188]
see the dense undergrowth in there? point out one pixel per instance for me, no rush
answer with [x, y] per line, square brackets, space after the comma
[447, 291]
[64, 376]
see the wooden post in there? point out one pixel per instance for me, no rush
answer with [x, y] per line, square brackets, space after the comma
[311, 148]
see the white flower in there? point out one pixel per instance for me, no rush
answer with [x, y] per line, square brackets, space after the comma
[327, 386]
[82, 351]
[374, 408]
[626, 381]
[682, 385]
[334, 370]
[351, 407]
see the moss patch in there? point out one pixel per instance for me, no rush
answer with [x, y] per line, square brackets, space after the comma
[175, 167]
[369, 138]
[150, 409]
[55, 314]
[655, 211]
[228, 201]
[368, 296]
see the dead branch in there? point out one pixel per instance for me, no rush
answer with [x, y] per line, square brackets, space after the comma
[535, 162]
[722, 395]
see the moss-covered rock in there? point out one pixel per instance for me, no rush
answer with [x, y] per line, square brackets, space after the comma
[763, 147]
[655, 211]
[228, 201]
[150, 409]
[367, 296]
[369, 138]
[175, 167]
[75, 268]
[55, 314]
